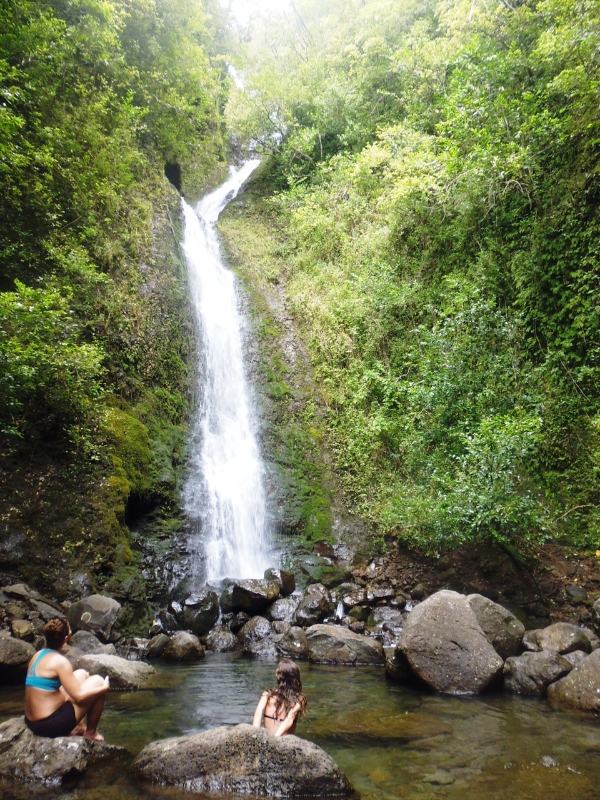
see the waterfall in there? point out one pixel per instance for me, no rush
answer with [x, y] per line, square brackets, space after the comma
[224, 495]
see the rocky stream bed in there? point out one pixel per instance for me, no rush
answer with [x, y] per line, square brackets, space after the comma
[411, 696]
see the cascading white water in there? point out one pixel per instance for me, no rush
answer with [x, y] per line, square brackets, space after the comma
[224, 495]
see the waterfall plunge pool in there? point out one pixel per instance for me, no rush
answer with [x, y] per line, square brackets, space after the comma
[392, 742]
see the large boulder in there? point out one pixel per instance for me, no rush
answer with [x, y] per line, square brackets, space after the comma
[282, 610]
[123, 674]
[157, 645]
[88, 643]
[446, 647]
[251, 596]
[25, 758]
[315, 605]
[561, 637]
[254, 630]
[532, 673]
[183, 646]
[95, 613]
[293, 644]
[503, 630]
[221, 640]
[242, 760]
[14, 657]
[285, 580]
[331, 644]
[199, 612]
[596, 616]
[580, 689]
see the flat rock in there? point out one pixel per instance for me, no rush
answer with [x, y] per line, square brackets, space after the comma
[251, 596]
[446, 647]
[123, 674]
[285, 580]
[561, 637]
[14, 657]
[20, 591]
[331, 644]
[315, 605]
[25, 758]
[183, 646]
[242, 760]
[96, 614]
[502, 629]
[221, 640]
[580, 689]
[532, 673]
[46, 610]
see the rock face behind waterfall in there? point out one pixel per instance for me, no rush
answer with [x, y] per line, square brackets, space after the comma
[446, 647]
[242, 760]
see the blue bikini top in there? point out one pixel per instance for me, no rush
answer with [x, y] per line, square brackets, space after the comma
[47, 684]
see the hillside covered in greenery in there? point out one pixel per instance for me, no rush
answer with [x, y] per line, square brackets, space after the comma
[97, 98]
[430, 204]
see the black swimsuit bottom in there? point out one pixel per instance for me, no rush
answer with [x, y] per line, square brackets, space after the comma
[60, 723]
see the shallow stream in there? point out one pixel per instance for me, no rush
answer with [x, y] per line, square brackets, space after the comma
[392, 742]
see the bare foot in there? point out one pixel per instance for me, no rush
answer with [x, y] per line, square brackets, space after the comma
[94, 736]
[78, 730]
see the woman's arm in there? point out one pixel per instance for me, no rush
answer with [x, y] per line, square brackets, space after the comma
[71, 685]
[288, 722]
[260, 710]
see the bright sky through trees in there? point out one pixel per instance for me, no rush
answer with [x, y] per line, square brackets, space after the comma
[243, 9]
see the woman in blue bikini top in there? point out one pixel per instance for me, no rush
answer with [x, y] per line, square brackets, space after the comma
[57, 698]
[282, 706]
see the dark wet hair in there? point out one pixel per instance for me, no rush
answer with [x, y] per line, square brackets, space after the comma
[56, 631]
[289, 688]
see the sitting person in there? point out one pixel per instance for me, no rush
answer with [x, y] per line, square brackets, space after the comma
[282, 706]
[56, 698]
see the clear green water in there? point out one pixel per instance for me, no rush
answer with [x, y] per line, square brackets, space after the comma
[392, 742]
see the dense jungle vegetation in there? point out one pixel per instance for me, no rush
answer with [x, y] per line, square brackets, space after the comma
[97, 96]
[432, 192]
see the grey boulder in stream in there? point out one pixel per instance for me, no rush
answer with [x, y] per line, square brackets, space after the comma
[25, 758]
[446, 647]
[332, 644]
[242, 760]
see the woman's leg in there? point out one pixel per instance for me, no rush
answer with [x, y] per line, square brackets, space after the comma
[81, 675]
[92, 708]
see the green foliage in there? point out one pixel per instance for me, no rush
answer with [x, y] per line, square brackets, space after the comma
[48, 377]
[96, 97]
[437, 175]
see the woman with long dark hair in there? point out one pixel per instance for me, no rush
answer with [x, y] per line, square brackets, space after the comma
[282, 706]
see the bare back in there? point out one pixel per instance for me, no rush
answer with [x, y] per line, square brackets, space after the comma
[40, 703]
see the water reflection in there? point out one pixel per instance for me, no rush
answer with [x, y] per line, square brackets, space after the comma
[392, 742]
